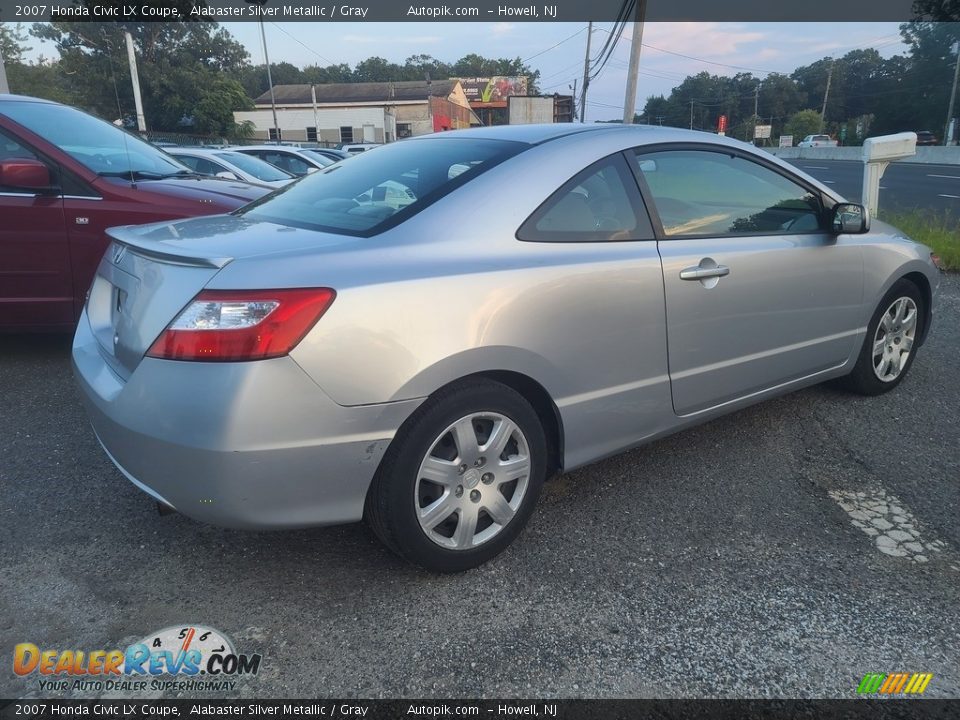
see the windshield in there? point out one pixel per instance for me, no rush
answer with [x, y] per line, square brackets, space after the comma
[375, 191]
[254, 166]
[99, 146]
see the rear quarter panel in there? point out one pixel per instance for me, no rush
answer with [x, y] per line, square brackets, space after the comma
[452, 292]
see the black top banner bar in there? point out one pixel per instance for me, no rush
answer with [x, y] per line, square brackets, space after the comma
[473, 10]
[451, 708]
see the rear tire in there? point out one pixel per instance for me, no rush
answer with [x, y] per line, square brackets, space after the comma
[461, 478]
[890, 344]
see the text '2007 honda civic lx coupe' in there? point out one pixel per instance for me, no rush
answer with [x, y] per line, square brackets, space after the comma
[422, 335]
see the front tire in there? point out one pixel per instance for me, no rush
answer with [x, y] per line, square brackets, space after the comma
[891, 341]
[461, 479]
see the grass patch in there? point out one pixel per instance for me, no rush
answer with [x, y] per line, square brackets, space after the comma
[941, 233]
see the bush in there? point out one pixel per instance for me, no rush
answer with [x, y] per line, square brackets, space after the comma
[941, 233]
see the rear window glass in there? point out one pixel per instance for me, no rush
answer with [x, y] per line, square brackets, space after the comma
[375, 191]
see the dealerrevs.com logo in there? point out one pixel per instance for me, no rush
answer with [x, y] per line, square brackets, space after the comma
[176, 658]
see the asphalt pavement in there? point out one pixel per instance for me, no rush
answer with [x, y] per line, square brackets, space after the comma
[903, 187]
[721, 562]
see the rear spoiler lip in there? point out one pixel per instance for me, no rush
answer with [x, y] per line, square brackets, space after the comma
[129, 235]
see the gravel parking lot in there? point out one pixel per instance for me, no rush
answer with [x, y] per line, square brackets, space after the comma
[721, 562]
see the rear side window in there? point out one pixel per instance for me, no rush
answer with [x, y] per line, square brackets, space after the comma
[375, 191]
[600, 204]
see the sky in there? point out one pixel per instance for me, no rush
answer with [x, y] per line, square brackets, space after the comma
[557, 49]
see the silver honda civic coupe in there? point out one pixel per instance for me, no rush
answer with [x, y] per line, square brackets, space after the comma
[421, 336]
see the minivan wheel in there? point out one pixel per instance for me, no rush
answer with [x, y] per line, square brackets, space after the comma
[890, 344]
[461, 478]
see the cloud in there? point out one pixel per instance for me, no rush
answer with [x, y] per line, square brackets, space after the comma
[502, 28]
[404, 39]
[713, 41]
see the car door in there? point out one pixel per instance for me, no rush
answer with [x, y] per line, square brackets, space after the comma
[36, 288]
[758, 292]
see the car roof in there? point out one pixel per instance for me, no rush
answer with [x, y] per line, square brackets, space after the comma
[282, 148]
[9, 97]
[537, 134]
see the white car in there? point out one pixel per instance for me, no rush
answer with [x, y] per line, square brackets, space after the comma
[296, 161]
[817, 141]
[356, 148]
[232, 166]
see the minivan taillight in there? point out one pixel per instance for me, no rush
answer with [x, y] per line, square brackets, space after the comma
[235, 325]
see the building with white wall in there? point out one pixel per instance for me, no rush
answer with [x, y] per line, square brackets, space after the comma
[359, 112]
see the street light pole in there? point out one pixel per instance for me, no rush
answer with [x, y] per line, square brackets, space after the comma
[953, 97]
[4, 86]
[273, 100]
[135, 78]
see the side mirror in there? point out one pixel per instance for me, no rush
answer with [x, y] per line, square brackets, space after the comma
[227, 175]
[850, 219]
[25, 174]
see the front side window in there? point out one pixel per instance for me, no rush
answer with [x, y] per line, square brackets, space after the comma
[598, 205]
[377, 190]
[101, 147]
[700, 192]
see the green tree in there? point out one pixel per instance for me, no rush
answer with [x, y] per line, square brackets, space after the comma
[187, 72]
[802, 123]
[12, 43]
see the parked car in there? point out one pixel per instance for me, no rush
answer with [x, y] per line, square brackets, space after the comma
[65, 177]
[332, 153]
[296, 161]
[356, 148]
[925, 137]
[232, 166]
[817, 141]
[570, 292]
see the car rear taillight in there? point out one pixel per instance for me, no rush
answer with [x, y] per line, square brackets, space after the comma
[233, 325]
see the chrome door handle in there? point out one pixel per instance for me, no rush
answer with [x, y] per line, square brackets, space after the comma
[701, 273]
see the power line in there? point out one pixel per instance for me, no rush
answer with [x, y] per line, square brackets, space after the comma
[306, 47]
[570, 37]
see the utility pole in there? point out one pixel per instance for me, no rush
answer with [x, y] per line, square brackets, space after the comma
[135, 78]
[273, 100]
[586, 75]
[573, 90]
[633, 72]
[756, 114]
[826, 94]
[953, 96]
[691, 113]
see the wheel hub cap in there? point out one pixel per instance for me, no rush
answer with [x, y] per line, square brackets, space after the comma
[893, 340]
[472, 480]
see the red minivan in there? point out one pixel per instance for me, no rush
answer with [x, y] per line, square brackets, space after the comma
[65, 177]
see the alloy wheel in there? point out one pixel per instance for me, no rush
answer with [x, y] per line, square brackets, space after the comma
[472, 480]
[894, 338]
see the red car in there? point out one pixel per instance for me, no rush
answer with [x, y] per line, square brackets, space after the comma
[65, 177]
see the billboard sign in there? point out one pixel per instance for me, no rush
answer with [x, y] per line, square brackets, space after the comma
[762, 132]
[493, 89]
[786, 141]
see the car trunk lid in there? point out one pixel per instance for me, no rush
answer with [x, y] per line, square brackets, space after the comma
[140, 286]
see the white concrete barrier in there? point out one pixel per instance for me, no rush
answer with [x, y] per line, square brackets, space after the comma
[936, 155]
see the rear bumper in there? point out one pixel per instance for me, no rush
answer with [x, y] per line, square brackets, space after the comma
[248, 445]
